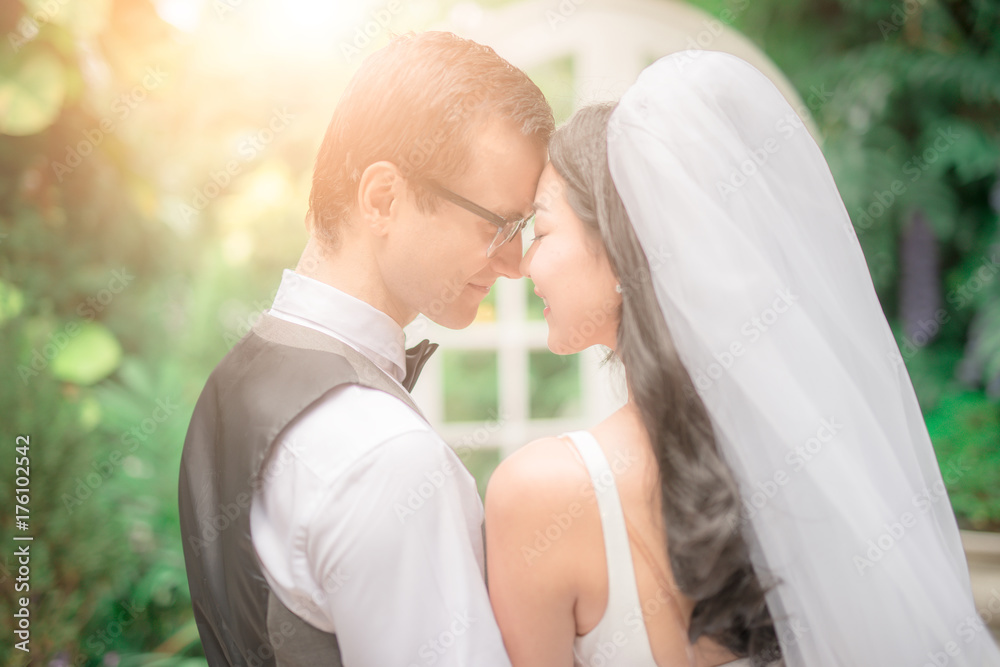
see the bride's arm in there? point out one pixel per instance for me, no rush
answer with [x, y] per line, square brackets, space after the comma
[530, 560]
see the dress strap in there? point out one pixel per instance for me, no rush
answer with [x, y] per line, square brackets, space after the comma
[666, 584]
[623, 594]
[623, 533]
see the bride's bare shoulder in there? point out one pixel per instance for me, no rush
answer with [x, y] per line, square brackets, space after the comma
[551, 471]
[536, 503]
[547, 469]
[542, 477]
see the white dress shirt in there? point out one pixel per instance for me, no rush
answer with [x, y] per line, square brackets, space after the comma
[367, 524]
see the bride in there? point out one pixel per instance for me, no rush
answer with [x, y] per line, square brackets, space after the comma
[758, 499]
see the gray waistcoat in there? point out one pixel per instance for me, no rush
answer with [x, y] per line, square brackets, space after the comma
[269, 377]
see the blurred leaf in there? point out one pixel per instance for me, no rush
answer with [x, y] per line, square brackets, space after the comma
[84, 17]
[11, 301]
[31, 93]
[972, 153]
[89, 356]
[90, 412]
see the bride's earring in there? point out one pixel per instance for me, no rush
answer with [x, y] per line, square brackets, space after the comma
[618, 288]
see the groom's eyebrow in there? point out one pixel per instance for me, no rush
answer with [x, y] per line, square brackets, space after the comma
[513, 214]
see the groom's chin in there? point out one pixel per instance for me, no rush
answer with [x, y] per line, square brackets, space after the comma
[455, 311]
[457, 315]
[455, 318]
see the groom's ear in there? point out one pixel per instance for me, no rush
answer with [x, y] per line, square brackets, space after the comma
[381, 185]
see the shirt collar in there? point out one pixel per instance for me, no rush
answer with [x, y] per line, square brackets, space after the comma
[359, 324]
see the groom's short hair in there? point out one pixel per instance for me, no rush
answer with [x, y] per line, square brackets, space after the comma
[418, 103]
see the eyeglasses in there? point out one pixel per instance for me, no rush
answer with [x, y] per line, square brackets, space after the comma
[506, 229]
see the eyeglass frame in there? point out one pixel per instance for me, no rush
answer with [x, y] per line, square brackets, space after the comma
[499, 221]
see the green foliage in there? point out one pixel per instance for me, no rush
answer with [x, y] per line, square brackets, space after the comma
[110, 320]
[966, 433]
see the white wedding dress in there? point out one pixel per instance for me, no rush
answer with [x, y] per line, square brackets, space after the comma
[619, 639]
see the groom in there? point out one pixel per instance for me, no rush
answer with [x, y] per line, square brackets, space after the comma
[305, 438]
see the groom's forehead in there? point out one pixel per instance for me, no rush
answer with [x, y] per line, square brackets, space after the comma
[503, 170]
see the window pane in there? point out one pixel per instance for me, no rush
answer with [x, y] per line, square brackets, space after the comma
[470, 385]
[535, 306]
[555, 385]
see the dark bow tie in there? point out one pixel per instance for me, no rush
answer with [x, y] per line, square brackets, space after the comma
[416, 357]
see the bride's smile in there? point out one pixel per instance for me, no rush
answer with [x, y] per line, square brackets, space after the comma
[571, 273]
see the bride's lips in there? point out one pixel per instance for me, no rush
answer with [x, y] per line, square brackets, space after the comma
[545, 311]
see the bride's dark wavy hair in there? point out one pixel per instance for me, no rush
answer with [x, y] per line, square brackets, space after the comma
[701, 502]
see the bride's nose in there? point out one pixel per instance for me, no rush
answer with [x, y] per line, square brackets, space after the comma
[525, 265]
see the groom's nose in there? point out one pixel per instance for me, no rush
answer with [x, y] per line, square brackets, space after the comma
[507, 261]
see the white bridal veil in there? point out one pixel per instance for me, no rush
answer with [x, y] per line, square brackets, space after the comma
[766, 292]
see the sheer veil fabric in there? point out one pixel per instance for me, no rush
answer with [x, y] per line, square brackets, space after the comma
[765, 289]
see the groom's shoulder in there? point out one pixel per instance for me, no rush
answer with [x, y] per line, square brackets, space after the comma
[373, 409]
[348, 423]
